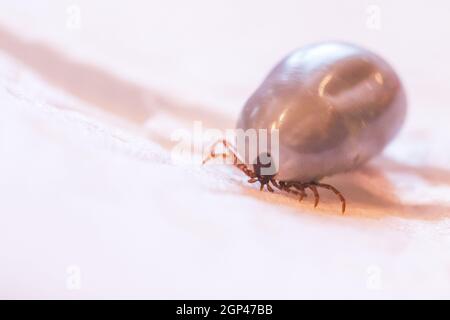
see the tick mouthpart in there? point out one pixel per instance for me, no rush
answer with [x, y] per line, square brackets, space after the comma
[264, 167]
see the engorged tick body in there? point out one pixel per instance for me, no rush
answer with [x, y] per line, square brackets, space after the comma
[335, 105]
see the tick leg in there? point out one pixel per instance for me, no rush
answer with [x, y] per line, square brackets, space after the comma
[265, 183]
[245, 169]
[336, 191]
[214, 155]
[275, 183]
[300, 188]
[316, 193]
[236, 162]
[282, 185]
[289, 188]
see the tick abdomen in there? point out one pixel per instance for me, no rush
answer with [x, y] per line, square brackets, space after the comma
[335, 105]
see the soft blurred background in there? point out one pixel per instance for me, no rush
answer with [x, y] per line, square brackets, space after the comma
[91, 205]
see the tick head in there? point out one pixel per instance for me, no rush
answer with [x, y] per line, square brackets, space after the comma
[264, 166]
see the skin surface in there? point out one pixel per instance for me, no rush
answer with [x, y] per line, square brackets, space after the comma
[336, 105]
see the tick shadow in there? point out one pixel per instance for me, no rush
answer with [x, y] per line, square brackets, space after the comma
[433, 175]
[105, 90]
[370, 194]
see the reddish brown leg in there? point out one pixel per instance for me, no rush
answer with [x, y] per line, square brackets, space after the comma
[287, 186]
[265, 183]
[336, 191]
[301, 189]
[281, 185]
[236, 162]
[316, 194]
[275, 183]
[313, 186]
[239, 164]
[246, 170]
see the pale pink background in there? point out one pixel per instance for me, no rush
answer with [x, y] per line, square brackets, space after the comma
[88, 187]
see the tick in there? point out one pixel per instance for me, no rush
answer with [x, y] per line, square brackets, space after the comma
[335, 106]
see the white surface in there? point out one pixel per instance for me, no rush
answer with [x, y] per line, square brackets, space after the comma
[87, 181]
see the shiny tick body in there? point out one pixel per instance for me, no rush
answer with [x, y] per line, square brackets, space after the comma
[335, 105]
